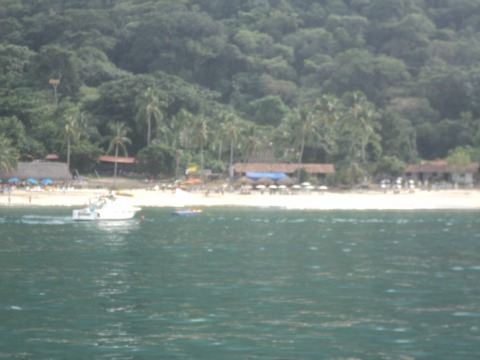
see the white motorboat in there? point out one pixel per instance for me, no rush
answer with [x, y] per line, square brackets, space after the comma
[106, 208]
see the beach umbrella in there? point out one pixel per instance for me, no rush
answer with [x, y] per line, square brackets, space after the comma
[13, 180]
[286, 181]
[273, 187]
[47, 181]
[32, 181]
[244, 181]
[264, 181]
[260, 186]
[306, 184]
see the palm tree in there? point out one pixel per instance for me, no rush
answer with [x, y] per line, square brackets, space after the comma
[182, 134]
[182, 128]
[230, 128]
[329, 111]
[305, 126]
[118, 140]
[253, 139]
[363, 116]
[359, 126]
[8, 155]
[71, 131]
[151, 105]
[201, 135]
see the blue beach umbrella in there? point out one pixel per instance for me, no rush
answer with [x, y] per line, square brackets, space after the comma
[47, 181]
[32, 181]
[13, 180]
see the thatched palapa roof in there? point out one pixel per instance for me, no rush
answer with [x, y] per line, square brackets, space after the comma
[118, 159]
[440, 167]
[244, 181]
[285, 168]
[264, 181]
[38, 170]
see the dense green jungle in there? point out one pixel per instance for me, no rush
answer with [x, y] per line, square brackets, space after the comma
[368, 85]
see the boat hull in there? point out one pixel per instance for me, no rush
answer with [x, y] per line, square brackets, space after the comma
[105, 208]
[86, 215]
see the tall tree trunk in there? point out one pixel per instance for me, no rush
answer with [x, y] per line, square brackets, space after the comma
[230, 163]
[115, 167]
[363, 153]
[201, 164]
[300, 157]
[149, 131]
[67, 175]
[220, 148]
[177, 163]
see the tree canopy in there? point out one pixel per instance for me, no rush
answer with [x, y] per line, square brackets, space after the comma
[412, 66]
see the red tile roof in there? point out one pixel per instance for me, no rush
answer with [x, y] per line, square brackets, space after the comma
[120, 160]
[440, 167]
[51, 157]
[285, 168]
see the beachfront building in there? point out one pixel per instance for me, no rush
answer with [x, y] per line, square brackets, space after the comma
[125, 165]
[316, 171]
[441, 174]
[56, 171]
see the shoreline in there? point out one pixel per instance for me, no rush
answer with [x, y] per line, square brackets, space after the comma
[329, 200]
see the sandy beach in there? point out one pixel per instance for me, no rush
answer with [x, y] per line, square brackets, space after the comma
[329, 200]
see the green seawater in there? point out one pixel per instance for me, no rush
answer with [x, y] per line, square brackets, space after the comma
[240, 283]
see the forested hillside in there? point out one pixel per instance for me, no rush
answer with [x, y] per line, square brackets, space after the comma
[368, 85]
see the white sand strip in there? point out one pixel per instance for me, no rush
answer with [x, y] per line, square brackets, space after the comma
[443, 199]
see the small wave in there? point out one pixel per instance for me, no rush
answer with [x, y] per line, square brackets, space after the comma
[466, 314]
[343, 220]
[197, 320]
[297, 221]
[266, 221]
[375, 220]
[42, 220]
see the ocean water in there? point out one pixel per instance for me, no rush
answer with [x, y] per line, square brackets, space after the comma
[241, 283]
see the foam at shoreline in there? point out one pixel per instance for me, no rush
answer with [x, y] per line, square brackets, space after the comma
[370, 200]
